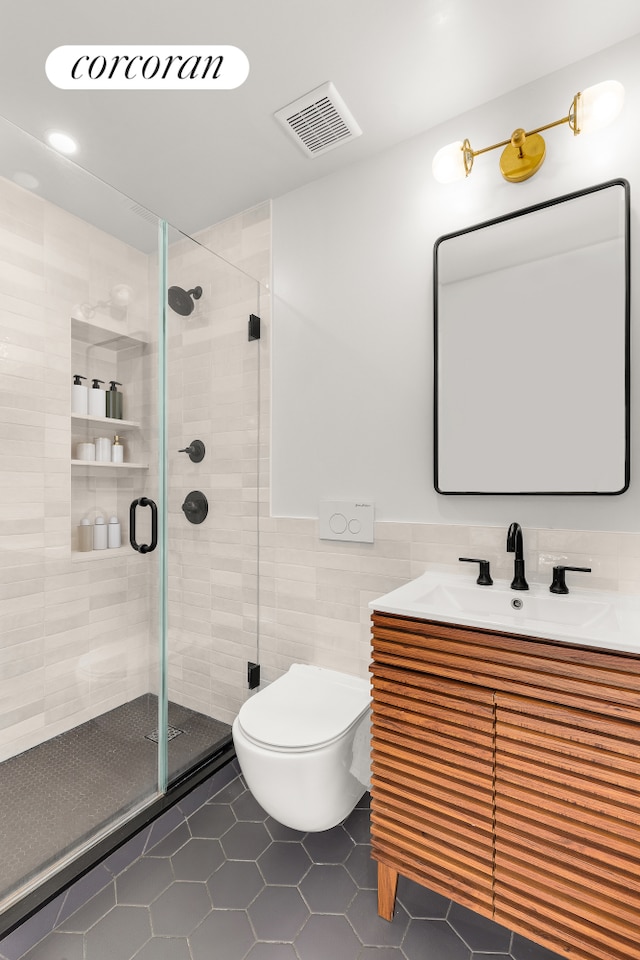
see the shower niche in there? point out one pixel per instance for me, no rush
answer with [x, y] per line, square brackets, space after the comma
[109, 351]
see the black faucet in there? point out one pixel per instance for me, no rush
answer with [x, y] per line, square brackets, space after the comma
[514, 545]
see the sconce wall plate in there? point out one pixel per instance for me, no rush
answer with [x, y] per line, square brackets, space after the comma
[517, 165]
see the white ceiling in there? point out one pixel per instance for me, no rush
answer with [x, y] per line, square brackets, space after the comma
[194, 158]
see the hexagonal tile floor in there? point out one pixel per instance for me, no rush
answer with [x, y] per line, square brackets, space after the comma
[231, 882]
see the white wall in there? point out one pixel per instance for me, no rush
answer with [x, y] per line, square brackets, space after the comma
[352, 308]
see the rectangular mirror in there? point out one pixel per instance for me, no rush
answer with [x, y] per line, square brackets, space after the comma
[531, 351]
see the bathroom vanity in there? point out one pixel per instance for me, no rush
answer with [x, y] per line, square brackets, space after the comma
[506, 762]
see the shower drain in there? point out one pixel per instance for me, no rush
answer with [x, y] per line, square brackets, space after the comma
[172, 733]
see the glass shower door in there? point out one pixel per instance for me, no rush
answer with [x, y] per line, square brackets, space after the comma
[212, 417]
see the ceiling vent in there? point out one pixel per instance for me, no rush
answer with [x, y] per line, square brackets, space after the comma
[140, 210]
[319, 121]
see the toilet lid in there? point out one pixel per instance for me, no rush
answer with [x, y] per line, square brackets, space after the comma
[307, 707]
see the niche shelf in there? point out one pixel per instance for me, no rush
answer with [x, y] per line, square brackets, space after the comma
[106, 421]
[82, 556]
[108, 465]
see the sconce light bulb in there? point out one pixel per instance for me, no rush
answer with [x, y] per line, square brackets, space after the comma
[449, 163]
[598, 106]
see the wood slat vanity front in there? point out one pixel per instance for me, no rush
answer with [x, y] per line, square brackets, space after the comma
[506, 776]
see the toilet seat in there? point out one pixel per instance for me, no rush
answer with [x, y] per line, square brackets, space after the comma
[324, 703]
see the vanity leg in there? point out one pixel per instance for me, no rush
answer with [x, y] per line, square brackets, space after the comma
[387, 886]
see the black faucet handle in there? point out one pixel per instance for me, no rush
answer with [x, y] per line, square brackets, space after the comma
[559, 584]
[484, 577]
[196, 451]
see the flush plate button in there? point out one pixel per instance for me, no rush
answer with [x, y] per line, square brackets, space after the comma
[337, 523]
[346, 520]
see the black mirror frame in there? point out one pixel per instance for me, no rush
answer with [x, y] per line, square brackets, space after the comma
[627, 362]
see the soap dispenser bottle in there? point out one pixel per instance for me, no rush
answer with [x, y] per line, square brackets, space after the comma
[117, 451]
[97, 404]
[114, 400]
[79, 398]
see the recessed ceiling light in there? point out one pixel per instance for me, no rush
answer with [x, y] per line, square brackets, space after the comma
[61, 142]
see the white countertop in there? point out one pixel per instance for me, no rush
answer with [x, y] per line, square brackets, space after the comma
[595, 618]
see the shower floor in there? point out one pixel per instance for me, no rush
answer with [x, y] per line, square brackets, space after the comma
[61, 792]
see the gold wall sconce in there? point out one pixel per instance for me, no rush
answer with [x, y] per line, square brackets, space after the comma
[591, 110]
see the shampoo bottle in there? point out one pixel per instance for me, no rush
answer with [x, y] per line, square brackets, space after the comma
[97, 404]
[113, 537]
[114, 400]
[99, 534]
[85, 536]
[103, 449]
[79, 398]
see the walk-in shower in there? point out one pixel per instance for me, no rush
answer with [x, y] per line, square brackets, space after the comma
[121, 670]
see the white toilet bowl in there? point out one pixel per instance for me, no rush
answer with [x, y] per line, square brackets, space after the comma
[303, 746]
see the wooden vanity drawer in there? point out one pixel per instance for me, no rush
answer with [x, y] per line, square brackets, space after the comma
[578, 676]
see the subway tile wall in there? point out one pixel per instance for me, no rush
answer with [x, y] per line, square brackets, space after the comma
[55, 610]
[213, 384]
[314, 594]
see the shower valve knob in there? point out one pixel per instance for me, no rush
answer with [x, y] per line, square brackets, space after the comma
[196, 451]
[195, 506]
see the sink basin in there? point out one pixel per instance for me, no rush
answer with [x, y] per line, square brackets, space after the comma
[592, 617]
[495, 602]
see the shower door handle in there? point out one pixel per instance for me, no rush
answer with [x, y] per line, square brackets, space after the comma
[143, 547]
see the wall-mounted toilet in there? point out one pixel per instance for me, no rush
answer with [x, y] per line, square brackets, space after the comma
[303, 745]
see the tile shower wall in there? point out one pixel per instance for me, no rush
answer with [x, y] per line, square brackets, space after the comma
[213, 396]
[53, 610]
